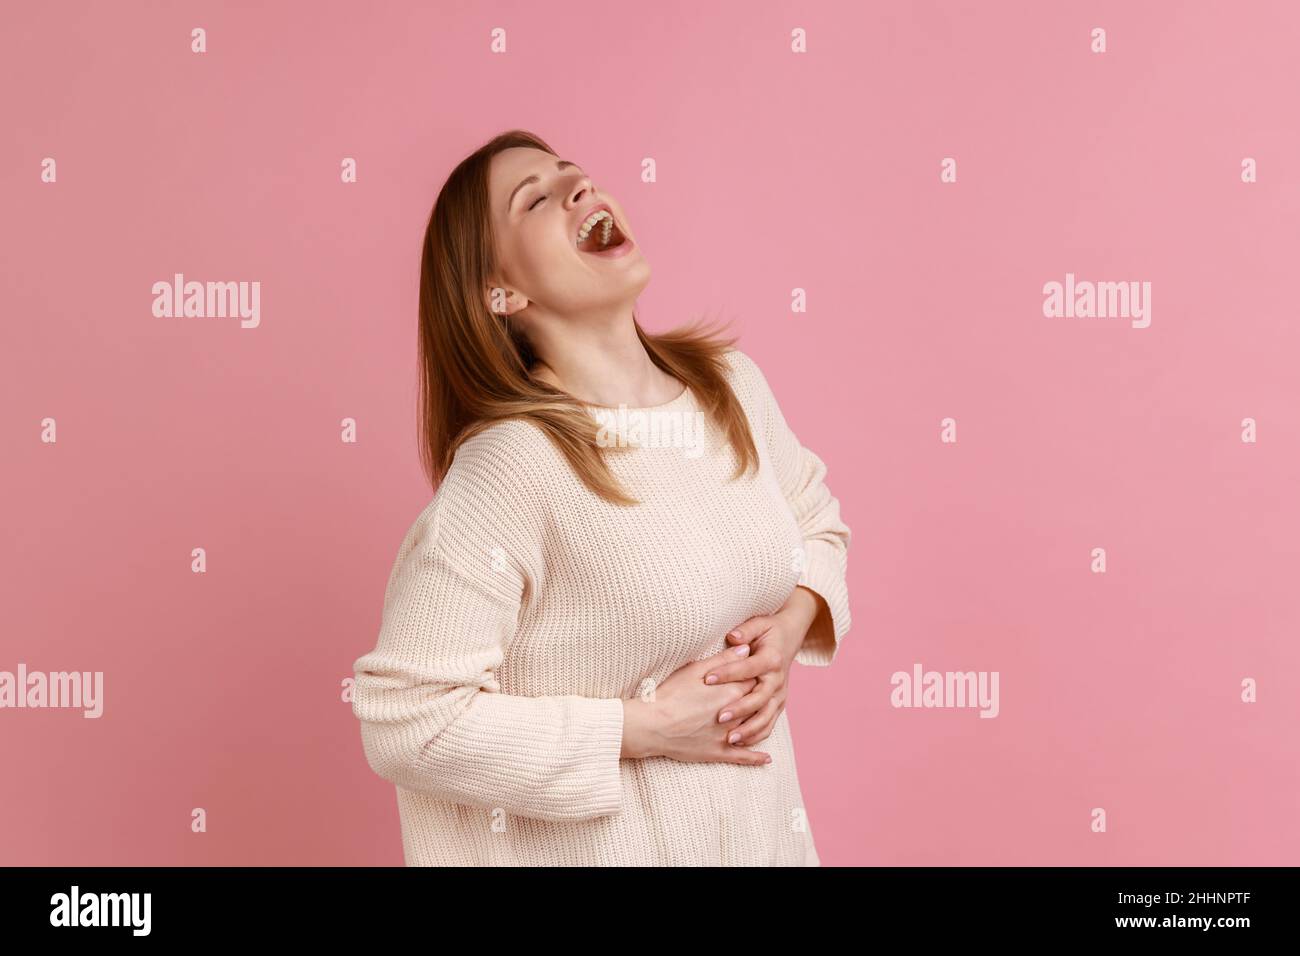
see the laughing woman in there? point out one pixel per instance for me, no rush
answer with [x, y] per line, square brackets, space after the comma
[587, 632]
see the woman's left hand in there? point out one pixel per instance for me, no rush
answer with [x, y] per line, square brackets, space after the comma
[774, 639]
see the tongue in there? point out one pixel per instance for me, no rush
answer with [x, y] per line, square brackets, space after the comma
[592, 242]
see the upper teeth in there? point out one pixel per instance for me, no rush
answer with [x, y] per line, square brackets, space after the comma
[590, 223]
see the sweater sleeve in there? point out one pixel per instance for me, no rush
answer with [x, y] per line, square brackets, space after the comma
[433, 718]
[801, 475]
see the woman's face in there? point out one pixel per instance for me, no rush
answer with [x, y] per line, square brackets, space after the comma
[539, 205]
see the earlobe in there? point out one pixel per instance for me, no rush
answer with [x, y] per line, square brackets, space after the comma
[502, 301]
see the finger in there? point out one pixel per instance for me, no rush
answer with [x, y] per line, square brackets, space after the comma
[729, 654]
[745, 632]
[746, 707]
[739, 670]
[748, 731]
[725, 656]
[744, 756]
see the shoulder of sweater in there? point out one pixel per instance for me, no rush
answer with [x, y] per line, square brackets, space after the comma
[744, 372]
[516, 450]
[486, 518]
[738, 363]
[496, 486]
[748, 382]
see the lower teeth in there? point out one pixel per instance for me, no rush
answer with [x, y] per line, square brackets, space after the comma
[606, 227]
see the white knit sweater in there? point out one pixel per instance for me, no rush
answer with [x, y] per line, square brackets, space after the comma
[522, 608]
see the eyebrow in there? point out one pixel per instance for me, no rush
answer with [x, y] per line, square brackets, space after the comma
[559, 164]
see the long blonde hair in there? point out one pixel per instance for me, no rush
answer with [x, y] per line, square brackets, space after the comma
[475, 367]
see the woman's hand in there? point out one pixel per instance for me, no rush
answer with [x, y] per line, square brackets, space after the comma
[775, 639]
[680, 719]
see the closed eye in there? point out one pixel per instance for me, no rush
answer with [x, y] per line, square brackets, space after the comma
[534, 205]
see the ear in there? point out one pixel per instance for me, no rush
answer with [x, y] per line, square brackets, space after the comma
[503, 301]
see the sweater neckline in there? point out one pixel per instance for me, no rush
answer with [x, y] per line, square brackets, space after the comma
[682, 398]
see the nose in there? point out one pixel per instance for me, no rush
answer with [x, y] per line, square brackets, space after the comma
[580, 190]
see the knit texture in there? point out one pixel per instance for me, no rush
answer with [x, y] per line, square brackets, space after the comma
[522, 609]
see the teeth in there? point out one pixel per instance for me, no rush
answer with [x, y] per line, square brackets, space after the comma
[607, 227]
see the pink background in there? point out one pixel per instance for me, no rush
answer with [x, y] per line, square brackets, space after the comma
[818, 171]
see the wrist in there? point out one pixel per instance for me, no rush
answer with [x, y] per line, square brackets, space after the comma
[801, 608]
[800, 612]
[638, 728]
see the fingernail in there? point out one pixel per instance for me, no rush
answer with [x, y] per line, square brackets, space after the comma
[769, 759]
[711, 679]
[734, 634]
[742, 650]
[734, 737]
[726, 716]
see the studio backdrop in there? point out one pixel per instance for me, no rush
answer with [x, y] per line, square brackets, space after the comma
[1022, 274]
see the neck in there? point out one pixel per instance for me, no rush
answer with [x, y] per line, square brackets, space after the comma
[603, 363]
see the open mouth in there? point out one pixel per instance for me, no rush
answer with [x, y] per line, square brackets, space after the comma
[600, 234]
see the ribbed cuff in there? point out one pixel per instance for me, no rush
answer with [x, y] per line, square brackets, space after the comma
[549, 758]
[824, 573]
[601, 720]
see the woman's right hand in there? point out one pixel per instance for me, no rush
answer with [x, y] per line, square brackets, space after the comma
[680, 720]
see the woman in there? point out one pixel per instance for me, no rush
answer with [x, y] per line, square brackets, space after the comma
[554, 681]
